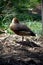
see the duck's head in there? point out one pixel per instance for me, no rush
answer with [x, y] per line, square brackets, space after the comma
[15, 20]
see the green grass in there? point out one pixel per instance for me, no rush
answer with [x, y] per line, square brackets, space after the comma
[35, 26]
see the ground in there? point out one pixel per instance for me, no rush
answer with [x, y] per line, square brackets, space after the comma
[14, 51]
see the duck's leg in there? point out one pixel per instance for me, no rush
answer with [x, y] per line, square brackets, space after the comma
[22, 38]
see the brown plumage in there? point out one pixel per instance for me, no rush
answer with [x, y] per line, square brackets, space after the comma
[20, 29]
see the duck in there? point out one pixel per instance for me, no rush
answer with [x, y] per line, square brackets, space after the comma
[20, 29]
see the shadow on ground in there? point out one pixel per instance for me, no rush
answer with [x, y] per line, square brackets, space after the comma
[28, 43]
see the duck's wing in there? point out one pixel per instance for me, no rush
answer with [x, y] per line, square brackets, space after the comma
[24, 28]
[21, 27]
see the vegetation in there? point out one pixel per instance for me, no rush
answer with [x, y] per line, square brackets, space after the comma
[22, 9]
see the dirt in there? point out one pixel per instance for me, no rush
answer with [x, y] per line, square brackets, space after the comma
[14, 51]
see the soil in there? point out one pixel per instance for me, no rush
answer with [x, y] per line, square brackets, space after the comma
[14, 51]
